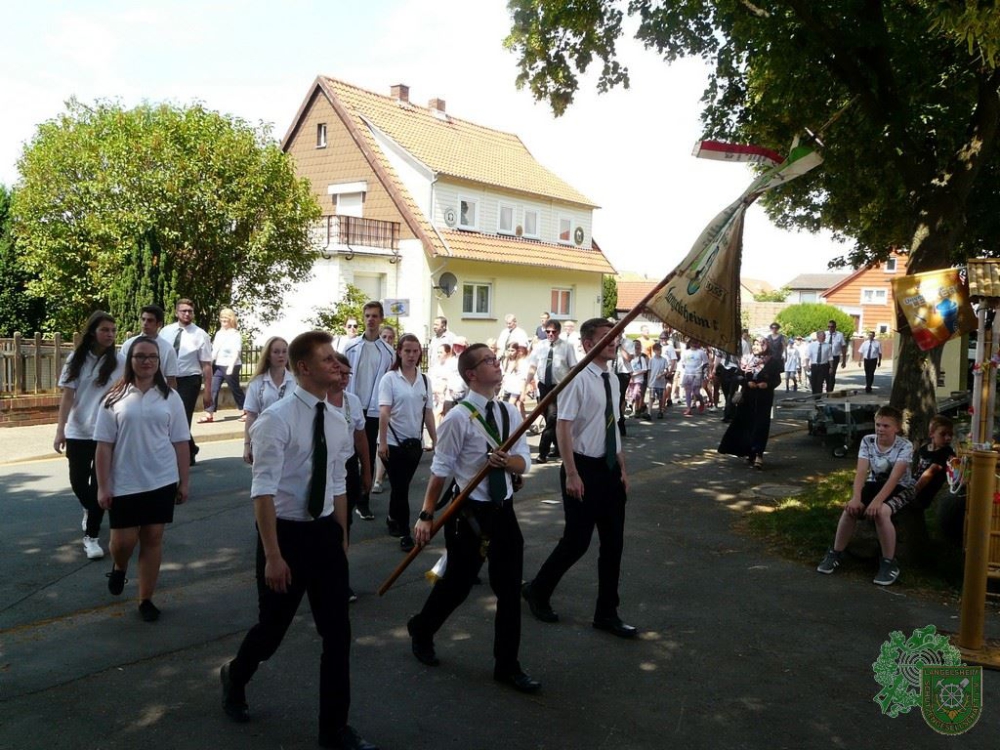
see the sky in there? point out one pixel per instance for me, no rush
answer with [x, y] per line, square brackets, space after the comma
[629, 151]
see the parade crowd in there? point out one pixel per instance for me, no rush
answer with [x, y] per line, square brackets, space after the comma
[331, 420]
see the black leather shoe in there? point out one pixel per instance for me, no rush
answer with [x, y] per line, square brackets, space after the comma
[346, 739]
[423, 648]
[541, 459]
[615, 626]
[234, 700]
[541, 610]
[518, 680]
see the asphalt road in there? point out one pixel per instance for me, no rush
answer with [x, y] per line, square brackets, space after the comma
[739, 648]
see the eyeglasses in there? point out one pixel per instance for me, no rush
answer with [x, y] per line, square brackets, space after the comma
[185, 311]
[487, 361]
[145, 357]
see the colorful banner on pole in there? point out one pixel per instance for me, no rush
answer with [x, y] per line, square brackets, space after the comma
[935, 305]
[702, 299]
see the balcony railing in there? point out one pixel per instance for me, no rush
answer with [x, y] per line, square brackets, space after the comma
[351, 231]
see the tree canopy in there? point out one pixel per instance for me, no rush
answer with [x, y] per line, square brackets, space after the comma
[904, 95]
[806, 318]
[19, 313]
[117, 208]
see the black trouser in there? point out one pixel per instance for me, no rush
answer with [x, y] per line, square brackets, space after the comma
[371, 432]
[832, 377]
[83, 480]
[727, 379]
[870, 365]
[548, 438]
[818, 375]
[189, 389]
[505, 552]
[401, 468]
[623, 378]
[603, 506]
[313, 551]
[353, 467]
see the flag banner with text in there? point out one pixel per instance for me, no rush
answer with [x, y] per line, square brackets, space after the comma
[702, 298]
[936, 306]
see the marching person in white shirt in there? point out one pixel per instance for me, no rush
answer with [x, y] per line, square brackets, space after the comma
[194, 361]
[870, 354]
[549, 363]
[819, 363]
[89, 373]
[838, 353]
[270, 383]
[150, 323]
[142, 467]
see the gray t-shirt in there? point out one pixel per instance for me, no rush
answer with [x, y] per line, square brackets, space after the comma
[881, 460]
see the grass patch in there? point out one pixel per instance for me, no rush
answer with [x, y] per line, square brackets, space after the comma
[802, 527]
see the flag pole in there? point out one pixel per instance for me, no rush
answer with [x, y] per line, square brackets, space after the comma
[457, 503]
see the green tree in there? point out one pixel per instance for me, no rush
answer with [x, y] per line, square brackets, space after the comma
[609, 296]
[333, 318]
[808, 317]
[775, 295]
[19, 311]
[115, 206]
[908, 90]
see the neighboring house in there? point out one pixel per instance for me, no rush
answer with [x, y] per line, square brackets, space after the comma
[630, 294]
[457, 219]
[751, 287]
[810, 287]
[866, 295]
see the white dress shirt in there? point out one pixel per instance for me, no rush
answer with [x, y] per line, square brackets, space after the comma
[462, 446]
[282, 455]
[88, 395]
[144, 427]
[563, 360]
[195, 348]
[226, 347]
[353, 416]
[262, 391]
[836, 342]
[582, 402]
[819, 353]
[408, 401]
[168, 357]
[871, 349]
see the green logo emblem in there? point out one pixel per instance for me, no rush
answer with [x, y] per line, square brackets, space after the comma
[898, 667]
[951, 698]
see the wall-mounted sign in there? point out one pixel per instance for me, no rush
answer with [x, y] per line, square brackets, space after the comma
[450, 217]
[578, 236]
[397, 307]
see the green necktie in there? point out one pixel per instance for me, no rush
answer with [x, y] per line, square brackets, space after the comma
[498, 482]
[177, 340]
[610, 440]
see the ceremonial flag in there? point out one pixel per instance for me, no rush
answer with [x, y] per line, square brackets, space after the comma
[702, 298]
[736, 152]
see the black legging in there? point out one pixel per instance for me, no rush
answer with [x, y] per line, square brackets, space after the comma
[83, 480]
[401, 468]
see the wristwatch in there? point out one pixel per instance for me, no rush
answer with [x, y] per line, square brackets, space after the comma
[425, 516]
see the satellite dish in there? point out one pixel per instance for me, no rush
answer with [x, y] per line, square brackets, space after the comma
[447, 283]
[450, 217]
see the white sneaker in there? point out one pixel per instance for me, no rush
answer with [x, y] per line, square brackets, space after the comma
[93, 548]
[83, 523]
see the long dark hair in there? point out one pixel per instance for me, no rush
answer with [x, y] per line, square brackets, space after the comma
[405, 339]
[117, 392]
[108, 360]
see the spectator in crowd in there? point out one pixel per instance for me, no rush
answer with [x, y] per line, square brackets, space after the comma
[657, 379]
[515, 377]
[883, 486]
[776, 343]
[226, 363]
[540, 331]
[271, 381]
[792, 366]
[550, 362]
[150, 323]
[639, 367]
[693, 364]
[747, 434]
[456, 388]
[388, 335]
[194, 362]
[870, 355]
[511, 333]
[89, 373]
[142, 463]
[349, 335]
[441, 334]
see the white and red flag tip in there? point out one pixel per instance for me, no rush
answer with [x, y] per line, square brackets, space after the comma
[736, 152]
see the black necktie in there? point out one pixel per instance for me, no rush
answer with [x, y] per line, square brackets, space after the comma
[498, 482]
[610, 442]
[177, 340]
[548, 365]
[317, 482]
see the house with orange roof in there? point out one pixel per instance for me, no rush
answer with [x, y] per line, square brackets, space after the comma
[866, 295]
[447, 216]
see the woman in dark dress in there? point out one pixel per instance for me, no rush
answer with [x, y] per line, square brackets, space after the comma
[760, 374]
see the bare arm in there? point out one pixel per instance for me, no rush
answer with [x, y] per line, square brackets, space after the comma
[383, 431]
[183, 452]
[361, 448]
[102, 467]
[206, 374]
[251, 417]
[431, 427]
[65, 405]
[422, 529]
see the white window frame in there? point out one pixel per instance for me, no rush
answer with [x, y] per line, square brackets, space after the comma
[875, 293]
[569, 234]
[890, 265]
[568, 314]
[321, 135]
[474, 202]
[476, 285]
[501, 207]
[809, 297]
[524, 225]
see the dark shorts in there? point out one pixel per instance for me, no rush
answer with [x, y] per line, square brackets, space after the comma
[143, 508]
[900, 497]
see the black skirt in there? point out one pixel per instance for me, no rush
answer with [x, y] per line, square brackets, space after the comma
[143, 508]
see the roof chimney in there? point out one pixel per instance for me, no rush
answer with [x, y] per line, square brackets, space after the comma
[400, 92]
[436, 104]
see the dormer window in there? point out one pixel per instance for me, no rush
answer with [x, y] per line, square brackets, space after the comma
[505, 219]
[468, 213]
